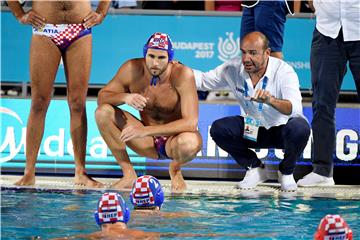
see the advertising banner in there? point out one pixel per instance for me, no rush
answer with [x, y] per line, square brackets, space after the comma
[56, 152]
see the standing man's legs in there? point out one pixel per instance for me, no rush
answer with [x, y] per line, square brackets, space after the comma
[353, 51]
[77, 62]
[44, 61]
[270, 18]
[328, 67]
[247, 22]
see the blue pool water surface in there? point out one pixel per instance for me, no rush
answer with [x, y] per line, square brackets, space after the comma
[48, 214]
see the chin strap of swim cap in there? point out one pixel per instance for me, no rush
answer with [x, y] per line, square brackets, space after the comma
[111, 208]
[160, 41]
[154, 80]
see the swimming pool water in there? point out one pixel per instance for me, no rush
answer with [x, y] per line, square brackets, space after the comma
[48, 214]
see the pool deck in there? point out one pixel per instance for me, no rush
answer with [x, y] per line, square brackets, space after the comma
[197, 188]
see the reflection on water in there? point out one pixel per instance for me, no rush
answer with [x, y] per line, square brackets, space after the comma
[29, 213]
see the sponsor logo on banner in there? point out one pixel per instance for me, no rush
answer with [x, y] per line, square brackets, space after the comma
[13, 141]
[58, 146]
[346, 147]
[201, 49]
[8, 141]
[228, 48]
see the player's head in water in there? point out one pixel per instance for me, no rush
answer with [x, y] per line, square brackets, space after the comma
[111, 208]
[147, 193]
[333, 227]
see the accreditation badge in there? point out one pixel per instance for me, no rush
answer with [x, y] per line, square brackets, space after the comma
[251, 128]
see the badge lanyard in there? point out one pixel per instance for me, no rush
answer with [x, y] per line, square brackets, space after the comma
[251, 124]
[246, 93]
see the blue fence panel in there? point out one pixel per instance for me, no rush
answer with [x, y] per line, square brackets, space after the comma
[201, 42]
[56, 154]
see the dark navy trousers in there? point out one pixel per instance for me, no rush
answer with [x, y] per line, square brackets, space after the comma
[268, 17]
[292, 137]
[328, 61]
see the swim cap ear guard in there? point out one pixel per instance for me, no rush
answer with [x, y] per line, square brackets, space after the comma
[147, 192]
[111, 208]
[160, 41]
[333, 227]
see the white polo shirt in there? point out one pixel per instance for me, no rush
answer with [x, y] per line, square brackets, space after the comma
[282, 83]
[333, 15]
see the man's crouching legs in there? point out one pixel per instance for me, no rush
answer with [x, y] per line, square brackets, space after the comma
[110, 121]
[182, 148]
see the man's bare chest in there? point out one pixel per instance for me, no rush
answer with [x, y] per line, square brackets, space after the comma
[59, 12]
[161, 98]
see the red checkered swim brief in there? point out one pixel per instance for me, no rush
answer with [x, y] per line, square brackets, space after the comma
[63, 34]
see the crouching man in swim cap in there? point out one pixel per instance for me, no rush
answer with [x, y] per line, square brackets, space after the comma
[165, 94]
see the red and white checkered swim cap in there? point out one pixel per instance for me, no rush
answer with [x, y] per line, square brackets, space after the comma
[111, 208]
[160, 41]
[333, 227]
[147, 192]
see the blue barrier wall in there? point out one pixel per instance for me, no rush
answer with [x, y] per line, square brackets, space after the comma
[56, 154]
[201, 42]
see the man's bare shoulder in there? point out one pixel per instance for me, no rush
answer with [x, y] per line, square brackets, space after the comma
[150, 213]
[117, 234]
[177, 66]
[180, 70]
[135, 63]
[133, 68]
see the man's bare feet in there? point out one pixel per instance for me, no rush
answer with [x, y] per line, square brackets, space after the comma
[124, 183]
[26, 180]
[85, 180]
[178, 184]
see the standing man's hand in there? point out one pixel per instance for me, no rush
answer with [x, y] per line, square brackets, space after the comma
[32, 18]
[92, 19]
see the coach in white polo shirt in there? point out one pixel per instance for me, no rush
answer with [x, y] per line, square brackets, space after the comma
[271, 111]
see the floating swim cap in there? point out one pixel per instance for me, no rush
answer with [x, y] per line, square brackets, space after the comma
[333, 227]
[111, 208]
[147, 192]
[160, 41]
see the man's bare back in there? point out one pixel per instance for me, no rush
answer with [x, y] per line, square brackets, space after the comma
[57, 12]
[118, 234]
